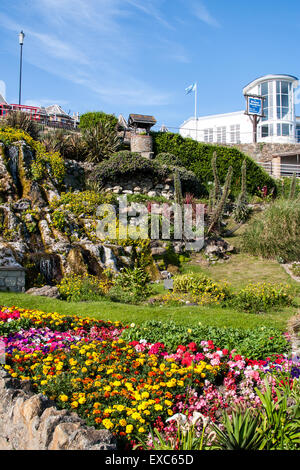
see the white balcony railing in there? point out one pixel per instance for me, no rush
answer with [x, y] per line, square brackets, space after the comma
[280, 169]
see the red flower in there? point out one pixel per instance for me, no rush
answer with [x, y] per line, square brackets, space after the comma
[192, 346]
[225, 352]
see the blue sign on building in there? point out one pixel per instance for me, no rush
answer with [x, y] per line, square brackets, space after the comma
[255, 106]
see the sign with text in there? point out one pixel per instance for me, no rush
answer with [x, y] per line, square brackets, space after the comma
[255, 105]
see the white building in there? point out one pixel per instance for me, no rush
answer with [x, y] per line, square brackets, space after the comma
[278, 125]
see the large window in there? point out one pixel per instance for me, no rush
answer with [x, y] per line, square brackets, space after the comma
[283, 96]
[284, 130]
[266, 130]
[209, 135]
[221, 135]
[266, 90]
[235, 134]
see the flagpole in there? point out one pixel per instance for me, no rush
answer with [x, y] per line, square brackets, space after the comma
[196, 111]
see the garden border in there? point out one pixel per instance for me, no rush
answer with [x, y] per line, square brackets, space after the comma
[30, 421]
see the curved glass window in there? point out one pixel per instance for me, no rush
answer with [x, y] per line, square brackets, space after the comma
[266, 90]
[283, 98]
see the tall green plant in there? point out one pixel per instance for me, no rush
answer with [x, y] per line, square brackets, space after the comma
[219, 209]
[177, 188]
[241, 210]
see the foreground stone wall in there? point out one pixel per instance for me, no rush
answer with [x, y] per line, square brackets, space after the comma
[32, 422]
[12, 279]
[264, 152]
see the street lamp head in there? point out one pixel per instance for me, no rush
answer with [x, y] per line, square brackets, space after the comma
[21, 38]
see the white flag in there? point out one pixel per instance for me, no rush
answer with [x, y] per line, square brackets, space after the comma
[190, 88]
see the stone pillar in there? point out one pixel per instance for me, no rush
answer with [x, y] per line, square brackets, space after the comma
[142, 144]
[276, 163]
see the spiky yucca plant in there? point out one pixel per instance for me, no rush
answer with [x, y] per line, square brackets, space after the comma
[101, 142]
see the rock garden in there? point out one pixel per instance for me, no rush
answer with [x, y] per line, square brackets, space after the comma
[140, 343]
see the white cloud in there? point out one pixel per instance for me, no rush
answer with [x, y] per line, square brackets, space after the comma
[87, 43]
[202, 13]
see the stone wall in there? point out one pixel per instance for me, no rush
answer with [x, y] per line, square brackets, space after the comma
[146, 186]
[264, 152]
[32, 422]
[12, 279]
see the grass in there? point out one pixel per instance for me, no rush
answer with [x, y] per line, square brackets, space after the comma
[241, 270]
[186, 315]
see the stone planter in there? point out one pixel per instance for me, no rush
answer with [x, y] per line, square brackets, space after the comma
[142, 144]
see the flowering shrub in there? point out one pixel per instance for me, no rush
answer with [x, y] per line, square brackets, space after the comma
[46, 163]
[76, 288]
[261, 297]
[84, 202]
[201, 288]
[129, 386]
[296, 269]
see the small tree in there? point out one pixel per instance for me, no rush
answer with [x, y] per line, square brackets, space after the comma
[91, 120]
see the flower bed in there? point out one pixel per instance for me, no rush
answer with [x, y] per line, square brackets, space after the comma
[130, 387]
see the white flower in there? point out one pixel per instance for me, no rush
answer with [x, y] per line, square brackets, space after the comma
[179, 417]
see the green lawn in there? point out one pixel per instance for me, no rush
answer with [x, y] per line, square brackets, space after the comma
[238, 271]
[105, 310]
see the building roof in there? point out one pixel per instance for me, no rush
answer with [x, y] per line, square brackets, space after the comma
[122, 122]
[141, 119]
[265, 78]
[2, 100]
[57, 110]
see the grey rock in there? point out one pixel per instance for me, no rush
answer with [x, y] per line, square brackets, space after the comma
[45, 291]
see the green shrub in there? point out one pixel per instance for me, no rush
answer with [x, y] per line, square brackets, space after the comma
[284, 187]
[197, 157]
[131, 285]
[92, 119]
[126, 164]
[76, 288]
[22, 121]
[262, 297]
[195, 284]
[168, 159]
[296, 269]
[85, 202]
[276, 232]
[256, 343]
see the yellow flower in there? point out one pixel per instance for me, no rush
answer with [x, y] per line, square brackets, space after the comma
[107, 423]
[74, 404]
[63, 397]
[129, 429]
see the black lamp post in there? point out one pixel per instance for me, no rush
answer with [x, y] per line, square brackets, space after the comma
[21, 41]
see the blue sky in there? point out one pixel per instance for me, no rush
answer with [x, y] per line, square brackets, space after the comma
[138, 56]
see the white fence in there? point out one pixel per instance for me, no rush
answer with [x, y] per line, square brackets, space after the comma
[280, 169]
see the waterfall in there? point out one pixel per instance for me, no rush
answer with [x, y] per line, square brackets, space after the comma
[109, 259]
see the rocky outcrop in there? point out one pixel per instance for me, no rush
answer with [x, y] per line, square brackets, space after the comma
[32, 422]
[45, 291]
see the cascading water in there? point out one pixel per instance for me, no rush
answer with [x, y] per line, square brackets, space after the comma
[109, 259]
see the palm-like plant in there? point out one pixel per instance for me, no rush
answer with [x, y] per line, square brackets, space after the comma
[21, 120]
[101, 142]
[241, 431]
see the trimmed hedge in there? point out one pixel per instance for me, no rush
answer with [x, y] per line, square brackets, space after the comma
[127, 164]
[196, 156]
